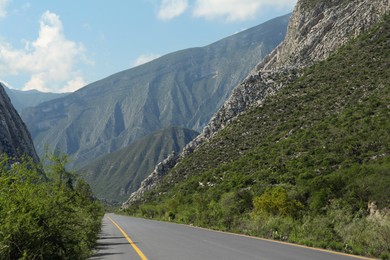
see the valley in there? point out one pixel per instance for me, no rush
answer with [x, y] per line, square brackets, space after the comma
[271, 143]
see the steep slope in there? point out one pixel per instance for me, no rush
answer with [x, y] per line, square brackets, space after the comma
[115, 176]
[315, 31]
[15, 140]
[183, 88]
[23, 99]
[301, 166]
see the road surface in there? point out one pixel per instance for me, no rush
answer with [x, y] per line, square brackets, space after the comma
[132, 238]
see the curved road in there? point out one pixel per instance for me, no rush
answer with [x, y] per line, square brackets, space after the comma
[132, 238]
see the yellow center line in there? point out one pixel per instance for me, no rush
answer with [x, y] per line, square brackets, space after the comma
[139, 252]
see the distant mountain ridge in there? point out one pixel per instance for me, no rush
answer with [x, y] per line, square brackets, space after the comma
[23, 99]
[15, 140]
[183, 88]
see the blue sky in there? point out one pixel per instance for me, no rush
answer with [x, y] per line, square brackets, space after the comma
[62, 45]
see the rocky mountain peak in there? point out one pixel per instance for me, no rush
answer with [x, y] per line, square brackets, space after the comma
[313, 34]
[15, 140]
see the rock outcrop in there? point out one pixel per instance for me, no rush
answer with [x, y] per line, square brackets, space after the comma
[374, 213]
[15, 140]
[316, 29]
[151, 181]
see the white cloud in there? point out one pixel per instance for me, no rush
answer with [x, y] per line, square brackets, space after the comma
[171, 8]
[144, 58]
[3, 5]
[235, 10]
[50, 60]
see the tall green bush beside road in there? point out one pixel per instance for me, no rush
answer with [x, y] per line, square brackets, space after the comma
[45, 214]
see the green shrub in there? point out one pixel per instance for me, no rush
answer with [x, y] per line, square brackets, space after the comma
[275, 201]
[45, 218]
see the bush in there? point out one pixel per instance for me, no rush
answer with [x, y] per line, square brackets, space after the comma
[45, 218]
[275, 201]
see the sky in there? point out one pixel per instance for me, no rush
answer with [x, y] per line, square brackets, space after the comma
[63, 45]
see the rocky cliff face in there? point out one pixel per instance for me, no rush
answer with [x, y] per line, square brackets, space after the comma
[313, 34]
[151, 181]
[316, 29]
[15, 140]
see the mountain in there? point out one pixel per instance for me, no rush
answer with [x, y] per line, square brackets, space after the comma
[183, 88]
[315, 31]
[115, 176]
[15, 140]
[308, 160]
[22, 99]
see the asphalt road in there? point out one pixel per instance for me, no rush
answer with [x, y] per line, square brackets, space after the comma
[161, 240]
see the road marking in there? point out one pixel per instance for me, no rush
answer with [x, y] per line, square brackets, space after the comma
[139, 252]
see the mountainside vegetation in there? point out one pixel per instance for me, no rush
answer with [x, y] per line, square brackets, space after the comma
[309, 165]
[115, 176]
[181, 89]
[45, 214]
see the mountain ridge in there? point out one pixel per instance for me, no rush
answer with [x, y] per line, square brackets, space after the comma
[23, 99]
[171, 90]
